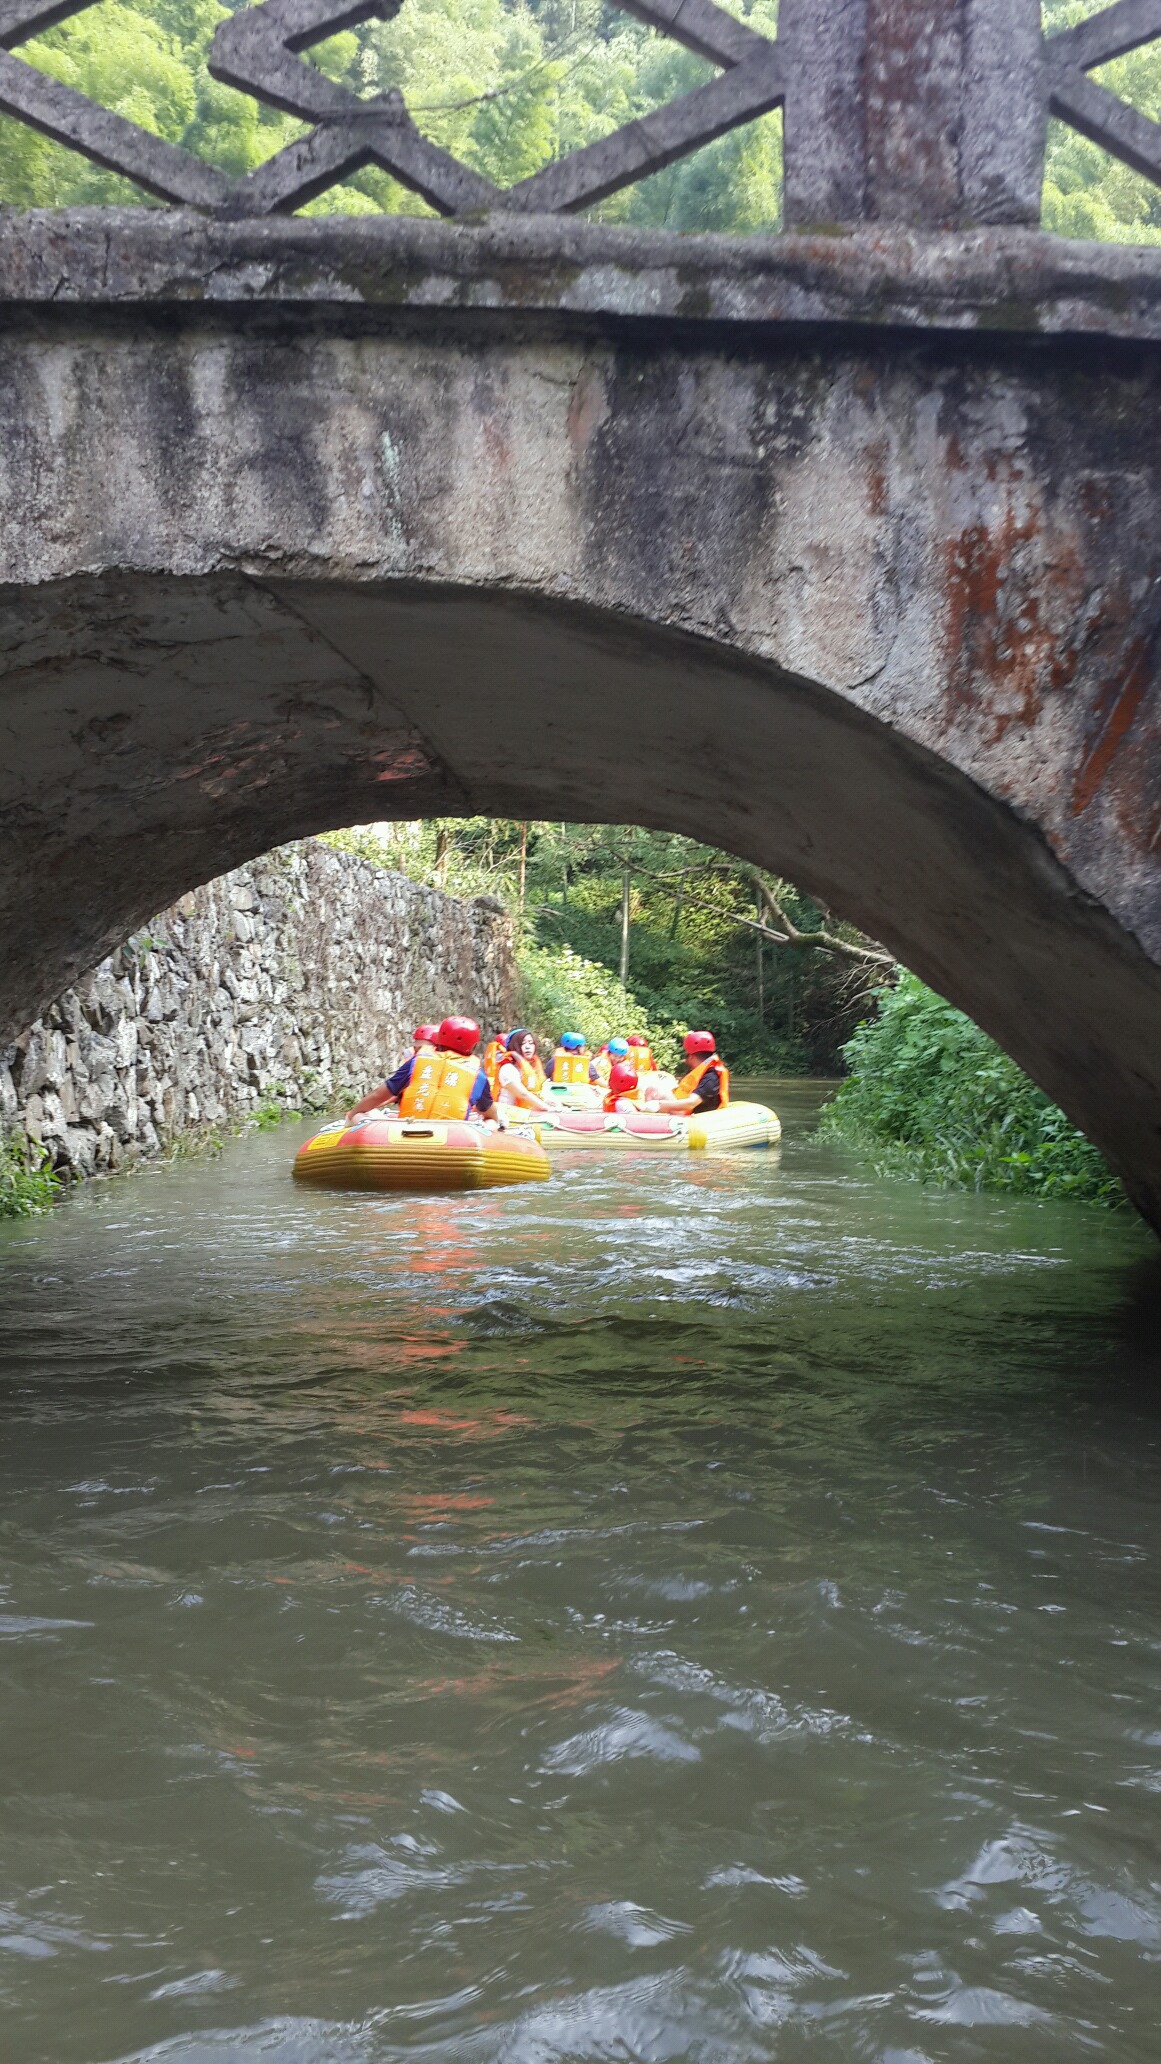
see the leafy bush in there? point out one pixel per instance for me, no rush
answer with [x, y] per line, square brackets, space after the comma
[270, 1113]
[933, 1098]
[676, 983]
[748, 1045]
[25, 1191]
[561, 992]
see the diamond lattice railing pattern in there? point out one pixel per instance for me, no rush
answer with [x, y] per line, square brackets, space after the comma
[1078, 100]
[258, 51]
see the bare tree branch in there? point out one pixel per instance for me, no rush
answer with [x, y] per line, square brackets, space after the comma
[825, 942]
[781, 931]
[828, 941]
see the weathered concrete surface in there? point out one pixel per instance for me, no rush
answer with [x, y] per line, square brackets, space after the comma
[290, 543]
[931, 113]
[295, 980]
[564, 276]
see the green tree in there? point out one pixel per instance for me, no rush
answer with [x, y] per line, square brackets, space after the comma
[931, 1097]
[1086, 192]
[508, 86]
[711, 939]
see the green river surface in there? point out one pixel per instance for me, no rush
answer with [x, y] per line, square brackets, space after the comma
[702, 1608]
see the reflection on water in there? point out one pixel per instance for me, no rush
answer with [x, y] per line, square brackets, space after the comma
[696, 1610]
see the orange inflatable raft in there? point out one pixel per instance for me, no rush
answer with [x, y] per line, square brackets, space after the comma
[417, 1154]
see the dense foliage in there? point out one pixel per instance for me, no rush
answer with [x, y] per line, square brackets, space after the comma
[562, 992]
[508, 86]
[691, 960]
[24, 1190]
[931, 1096]
[1087, 193]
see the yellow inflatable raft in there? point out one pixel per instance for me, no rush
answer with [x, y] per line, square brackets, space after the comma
[739, 1125]
[418, 1154]
[572, 1096]
[585, 1096]
[653, 1132]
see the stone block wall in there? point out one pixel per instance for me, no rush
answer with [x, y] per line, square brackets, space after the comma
[296, 980]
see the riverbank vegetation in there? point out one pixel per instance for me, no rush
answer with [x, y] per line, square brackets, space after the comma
[508, 86]
[27, 1187]
[625, 930]
[929, 1096]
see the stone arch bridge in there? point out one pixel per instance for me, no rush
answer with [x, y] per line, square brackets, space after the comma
[841, 551]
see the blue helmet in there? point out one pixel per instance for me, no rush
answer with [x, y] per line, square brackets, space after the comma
[618, 1047]
[572, 1042]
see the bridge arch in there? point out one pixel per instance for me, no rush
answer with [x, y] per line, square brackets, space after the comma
[873, 609]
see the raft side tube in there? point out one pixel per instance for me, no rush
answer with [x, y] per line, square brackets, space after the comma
[418, 1154]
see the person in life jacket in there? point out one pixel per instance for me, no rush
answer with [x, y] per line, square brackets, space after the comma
[423, 1039]
[622, 1091]
[571, 1062]
[493, 1055]
[444, 1081]
[520, 1077]
[641, 1054]
[540, 1079]
[706, 1087]
[612, 1051]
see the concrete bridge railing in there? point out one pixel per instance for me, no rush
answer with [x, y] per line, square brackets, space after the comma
[930, 113]
[840, 550]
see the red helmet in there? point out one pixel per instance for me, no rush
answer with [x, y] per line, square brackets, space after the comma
[699, 1043]
[637, 1039]
[458, 1035]
[622, 1080]
[425, 1035]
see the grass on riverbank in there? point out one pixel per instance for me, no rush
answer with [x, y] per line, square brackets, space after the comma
[931, 1098]
[25, 1191]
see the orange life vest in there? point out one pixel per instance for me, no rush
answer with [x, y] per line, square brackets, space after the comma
[568, 1066]
[620, 1096]
[641, 1058]
[688, 1084]
[493, 1055]
[531, 1072]
[441, 1086]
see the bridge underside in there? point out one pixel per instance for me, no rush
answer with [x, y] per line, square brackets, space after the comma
[876, 611]
[210, 717]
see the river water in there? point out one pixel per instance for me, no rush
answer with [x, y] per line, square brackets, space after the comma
[697, 1610]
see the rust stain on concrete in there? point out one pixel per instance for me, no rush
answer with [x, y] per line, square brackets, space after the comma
[1005, 651]
[1115, 708]
[588, 408]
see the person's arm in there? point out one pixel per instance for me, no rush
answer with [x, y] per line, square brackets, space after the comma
[481, 1099]
[389, 1092]
[688, 1104]
[512, 1080]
